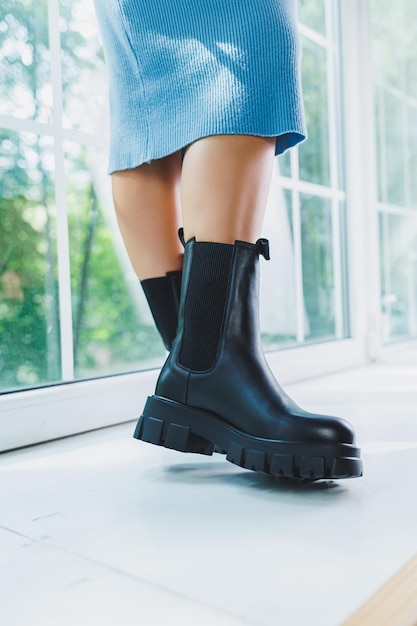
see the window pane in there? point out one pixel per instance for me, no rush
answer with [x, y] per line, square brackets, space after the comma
[398, 237]
[394, 149]
[380, 143]
[387, 32]
[313, 14]
[412, 154]
[25, 85]
[285, 164]
[343, 326]
[318, 267]
[84, 79]
[314, 153]
[410, 56]
[393, 32]
[29, 319]
[278, 288]
[112, 327]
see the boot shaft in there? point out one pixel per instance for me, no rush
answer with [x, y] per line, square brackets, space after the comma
[216, 386]
[163, 296]
[218, 312]
[207, 273]
[220, 296]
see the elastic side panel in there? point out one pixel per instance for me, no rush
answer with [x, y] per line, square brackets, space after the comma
[175, 279]
[205, 304]
[164, 306]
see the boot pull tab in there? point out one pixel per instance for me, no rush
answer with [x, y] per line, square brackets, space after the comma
[181, 236]
[262, 247]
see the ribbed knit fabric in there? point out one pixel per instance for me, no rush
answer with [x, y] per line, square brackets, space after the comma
[163, 296]
[205, 304]
[184, 69]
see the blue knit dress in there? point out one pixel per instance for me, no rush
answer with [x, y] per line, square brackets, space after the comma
[180, 70]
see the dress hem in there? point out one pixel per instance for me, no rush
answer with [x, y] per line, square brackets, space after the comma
[284, 141]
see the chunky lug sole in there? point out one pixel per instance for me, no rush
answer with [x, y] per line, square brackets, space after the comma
[174, 425]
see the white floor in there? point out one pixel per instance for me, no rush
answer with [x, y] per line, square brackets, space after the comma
[103, 529]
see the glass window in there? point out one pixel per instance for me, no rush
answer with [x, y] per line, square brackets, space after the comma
[318, 267]
[398, 244]
[84, 79]
[315, 153]
[390, 142]
[61, 318]
[306, 298]
[29, 312]
[112, 328]
[313, 14]
[285, 164]
[394, 57]
[70, 304]
[411, 138]
[25, 68]
[279, 288]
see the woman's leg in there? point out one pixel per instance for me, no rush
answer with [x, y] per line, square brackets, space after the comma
[216, 388]
[224, 187]
[148, 211]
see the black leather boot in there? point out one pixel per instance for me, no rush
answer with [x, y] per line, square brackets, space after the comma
[216, 388]
[163, 296]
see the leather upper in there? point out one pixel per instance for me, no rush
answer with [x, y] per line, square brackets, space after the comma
[240, 388]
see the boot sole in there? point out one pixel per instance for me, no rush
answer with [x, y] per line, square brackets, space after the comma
[176, 426]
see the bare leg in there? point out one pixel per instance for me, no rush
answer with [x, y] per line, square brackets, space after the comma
[224, 187]
[148, 211]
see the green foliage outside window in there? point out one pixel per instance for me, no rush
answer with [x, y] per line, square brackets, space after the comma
[107, 326]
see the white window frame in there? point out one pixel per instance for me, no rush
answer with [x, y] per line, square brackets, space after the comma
[31, 416]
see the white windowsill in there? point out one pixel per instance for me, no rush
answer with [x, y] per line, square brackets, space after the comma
[34, 416]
